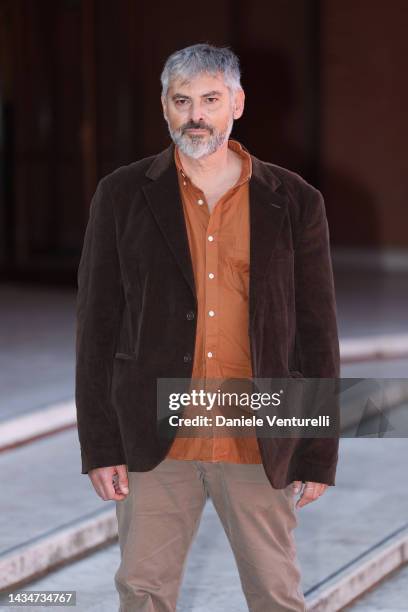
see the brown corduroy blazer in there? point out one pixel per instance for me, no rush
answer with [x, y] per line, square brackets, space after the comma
[137, 307]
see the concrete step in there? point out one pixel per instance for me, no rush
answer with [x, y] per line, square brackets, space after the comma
[390, 595]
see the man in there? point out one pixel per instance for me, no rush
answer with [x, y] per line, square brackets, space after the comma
[202, 261]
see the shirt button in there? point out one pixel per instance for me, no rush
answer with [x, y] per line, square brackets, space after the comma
[209, 354]
[211, 313]
[187, 357]
[210, 238]
[211, 275]
[190, 315]
[200, 201]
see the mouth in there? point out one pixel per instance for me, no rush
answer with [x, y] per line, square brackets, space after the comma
[196, 131]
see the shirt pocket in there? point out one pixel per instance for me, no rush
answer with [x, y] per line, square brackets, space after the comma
[236, 272]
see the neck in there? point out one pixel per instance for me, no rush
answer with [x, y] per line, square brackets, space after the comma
[210, 166]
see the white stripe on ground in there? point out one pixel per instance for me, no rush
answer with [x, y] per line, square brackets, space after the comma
[49, 551]
[48, 420]
[374, 347]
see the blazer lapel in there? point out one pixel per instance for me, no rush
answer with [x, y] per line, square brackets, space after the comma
[164, 199]
[267, 210]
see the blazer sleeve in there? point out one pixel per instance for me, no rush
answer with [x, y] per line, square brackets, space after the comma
[317, 341]
[98, 312]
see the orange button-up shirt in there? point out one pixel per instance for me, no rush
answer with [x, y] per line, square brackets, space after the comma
[219, 247]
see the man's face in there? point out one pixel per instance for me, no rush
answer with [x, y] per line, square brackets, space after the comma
[204, 104]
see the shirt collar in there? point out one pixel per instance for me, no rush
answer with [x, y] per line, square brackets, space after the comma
[236, 146]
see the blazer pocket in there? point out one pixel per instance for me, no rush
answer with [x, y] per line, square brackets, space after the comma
[125, 356]
[295, 374]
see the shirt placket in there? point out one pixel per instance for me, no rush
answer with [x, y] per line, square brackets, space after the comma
[211, 227]
[211, 301]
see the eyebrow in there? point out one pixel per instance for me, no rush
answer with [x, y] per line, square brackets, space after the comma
[214, 92]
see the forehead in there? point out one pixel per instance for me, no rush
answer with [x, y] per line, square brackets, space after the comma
[199, 84]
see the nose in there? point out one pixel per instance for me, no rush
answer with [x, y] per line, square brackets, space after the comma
[196, 114]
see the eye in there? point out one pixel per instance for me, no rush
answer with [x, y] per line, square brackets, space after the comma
[180, 100]
[212, 98]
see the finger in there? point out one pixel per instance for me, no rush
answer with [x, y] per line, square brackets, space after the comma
[320, 488]
[102, 481]
[119, 491]
[297, 485]
[123, 481]
[311, 492]
[107, 489]
[307, 496]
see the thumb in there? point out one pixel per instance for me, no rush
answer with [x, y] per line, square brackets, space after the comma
[297, 485]
[123, 481]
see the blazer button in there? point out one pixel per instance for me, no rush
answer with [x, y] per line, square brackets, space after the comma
[187, 357]
[190, 315]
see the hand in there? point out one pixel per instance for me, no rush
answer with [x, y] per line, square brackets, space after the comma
[110, 482]
[311, 491]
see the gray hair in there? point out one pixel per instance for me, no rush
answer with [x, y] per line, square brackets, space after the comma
[189, 62]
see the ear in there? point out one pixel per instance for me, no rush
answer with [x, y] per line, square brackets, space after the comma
[239, 103]
[164, 105]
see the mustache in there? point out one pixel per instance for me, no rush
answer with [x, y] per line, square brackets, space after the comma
[196, 127]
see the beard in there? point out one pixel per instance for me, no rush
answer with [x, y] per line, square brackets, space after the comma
[197, 145]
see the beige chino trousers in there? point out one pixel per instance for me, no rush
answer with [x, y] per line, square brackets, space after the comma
[159, 519]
